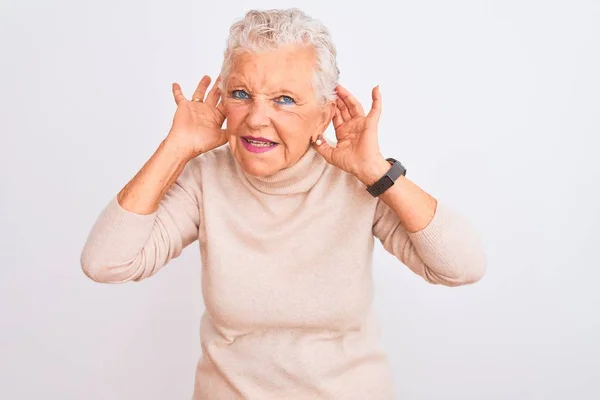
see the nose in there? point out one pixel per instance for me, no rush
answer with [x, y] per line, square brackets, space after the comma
[258, 116]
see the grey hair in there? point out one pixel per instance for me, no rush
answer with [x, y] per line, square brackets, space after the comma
[263, 30]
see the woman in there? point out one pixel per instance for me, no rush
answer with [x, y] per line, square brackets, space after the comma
[284, 220]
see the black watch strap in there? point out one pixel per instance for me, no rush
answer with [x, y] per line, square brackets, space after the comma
[387, 181]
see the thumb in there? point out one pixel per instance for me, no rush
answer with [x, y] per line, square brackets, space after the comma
[376, 106]
[323, 148]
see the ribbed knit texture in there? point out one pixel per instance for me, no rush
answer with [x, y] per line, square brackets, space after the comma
[286, 273]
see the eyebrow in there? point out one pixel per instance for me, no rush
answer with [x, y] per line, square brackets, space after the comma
[236, 79]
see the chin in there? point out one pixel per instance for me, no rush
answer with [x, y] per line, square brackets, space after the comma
[256, 164]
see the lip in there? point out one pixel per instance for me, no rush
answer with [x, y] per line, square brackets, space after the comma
[258, 139]
[255, 149]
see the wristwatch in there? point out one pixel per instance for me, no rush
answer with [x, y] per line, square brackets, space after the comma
[387, 181]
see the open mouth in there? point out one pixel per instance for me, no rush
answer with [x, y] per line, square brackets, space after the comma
[258, 143]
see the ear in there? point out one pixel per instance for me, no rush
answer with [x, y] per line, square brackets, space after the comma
[326, 116]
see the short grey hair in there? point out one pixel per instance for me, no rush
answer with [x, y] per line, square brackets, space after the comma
[263, 30]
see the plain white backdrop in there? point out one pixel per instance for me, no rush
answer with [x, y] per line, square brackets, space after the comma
[492, 105]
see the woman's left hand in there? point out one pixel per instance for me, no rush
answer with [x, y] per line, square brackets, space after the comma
[357, 150]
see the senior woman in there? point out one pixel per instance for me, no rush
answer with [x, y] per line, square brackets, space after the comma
[285, 221]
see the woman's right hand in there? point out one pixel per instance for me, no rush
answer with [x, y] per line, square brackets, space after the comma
[197, 123]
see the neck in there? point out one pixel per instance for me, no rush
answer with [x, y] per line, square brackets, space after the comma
[297, 178]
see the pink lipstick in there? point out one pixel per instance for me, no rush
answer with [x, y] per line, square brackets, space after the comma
[257, 144]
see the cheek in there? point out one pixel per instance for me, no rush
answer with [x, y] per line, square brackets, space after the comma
[290, 127]
[235, 115]
[295, 127]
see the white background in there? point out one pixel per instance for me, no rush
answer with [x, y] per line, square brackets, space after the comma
[492, 105]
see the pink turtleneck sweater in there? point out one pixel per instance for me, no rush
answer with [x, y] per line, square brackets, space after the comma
[286, 273]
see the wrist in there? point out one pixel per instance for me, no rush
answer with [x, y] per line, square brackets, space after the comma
[180, 148]
[373, 171]
[178, 152]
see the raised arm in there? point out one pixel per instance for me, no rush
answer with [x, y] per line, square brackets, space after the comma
[148, 223]
[430, 239]
[157, 213]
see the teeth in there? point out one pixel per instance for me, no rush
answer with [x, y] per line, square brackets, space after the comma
[259, 144]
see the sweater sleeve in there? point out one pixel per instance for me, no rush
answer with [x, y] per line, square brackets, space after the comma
[124, 246]
[448, 251]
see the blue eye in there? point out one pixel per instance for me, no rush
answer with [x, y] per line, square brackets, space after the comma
[285, 100]
[240, 94]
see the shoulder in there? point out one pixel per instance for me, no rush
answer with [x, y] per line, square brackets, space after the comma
[345, 184]
[218, 159]
[208, 164]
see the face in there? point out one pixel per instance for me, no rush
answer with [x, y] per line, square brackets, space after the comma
[272, 109]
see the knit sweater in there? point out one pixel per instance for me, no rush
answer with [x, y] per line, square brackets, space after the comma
[286, 273]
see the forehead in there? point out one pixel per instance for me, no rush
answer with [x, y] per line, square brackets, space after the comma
[289, 67]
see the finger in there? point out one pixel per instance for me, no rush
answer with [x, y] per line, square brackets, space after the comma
[337, 118]
[214, 94]
[344, 112]
[376, 106]
[324, 148]
[201, 89]
[351, 102]
[177, 94]
[221, 107]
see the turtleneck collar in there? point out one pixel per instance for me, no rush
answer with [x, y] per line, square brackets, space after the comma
[298, 178]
